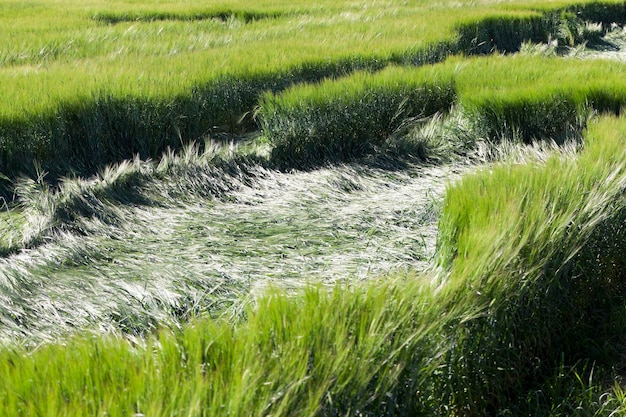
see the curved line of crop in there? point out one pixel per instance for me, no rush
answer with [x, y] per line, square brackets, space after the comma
[83, 137]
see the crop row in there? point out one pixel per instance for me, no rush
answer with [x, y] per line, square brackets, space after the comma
[520, 97]
[70, 118]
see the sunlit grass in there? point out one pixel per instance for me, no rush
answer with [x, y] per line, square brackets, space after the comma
[11, 224]
[261, 292]
[549, 237]
[515, 288]
[73, 92]
[101, 258]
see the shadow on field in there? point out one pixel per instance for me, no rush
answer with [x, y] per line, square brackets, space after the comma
[224, 15]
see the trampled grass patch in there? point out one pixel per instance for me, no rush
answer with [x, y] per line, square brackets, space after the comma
[152, 244]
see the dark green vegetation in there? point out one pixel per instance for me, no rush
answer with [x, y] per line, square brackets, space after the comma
[224, 15]
[351, 117]
[217, 281]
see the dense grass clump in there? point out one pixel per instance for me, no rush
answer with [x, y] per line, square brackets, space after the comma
[505, 34]
[356, 115]
[335, 121]
[528, 117]
[538, 252]
[544, 98]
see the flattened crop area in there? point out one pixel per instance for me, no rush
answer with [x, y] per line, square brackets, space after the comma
[163, 264]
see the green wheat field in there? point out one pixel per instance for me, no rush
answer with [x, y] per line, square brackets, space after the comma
[298, 208]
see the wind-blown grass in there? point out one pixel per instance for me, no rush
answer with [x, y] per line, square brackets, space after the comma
[525, 301]
[539, 253]
[261, 366]
[526, 306]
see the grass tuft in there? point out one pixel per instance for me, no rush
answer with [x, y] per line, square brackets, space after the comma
[536, 250]
[339, 120]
